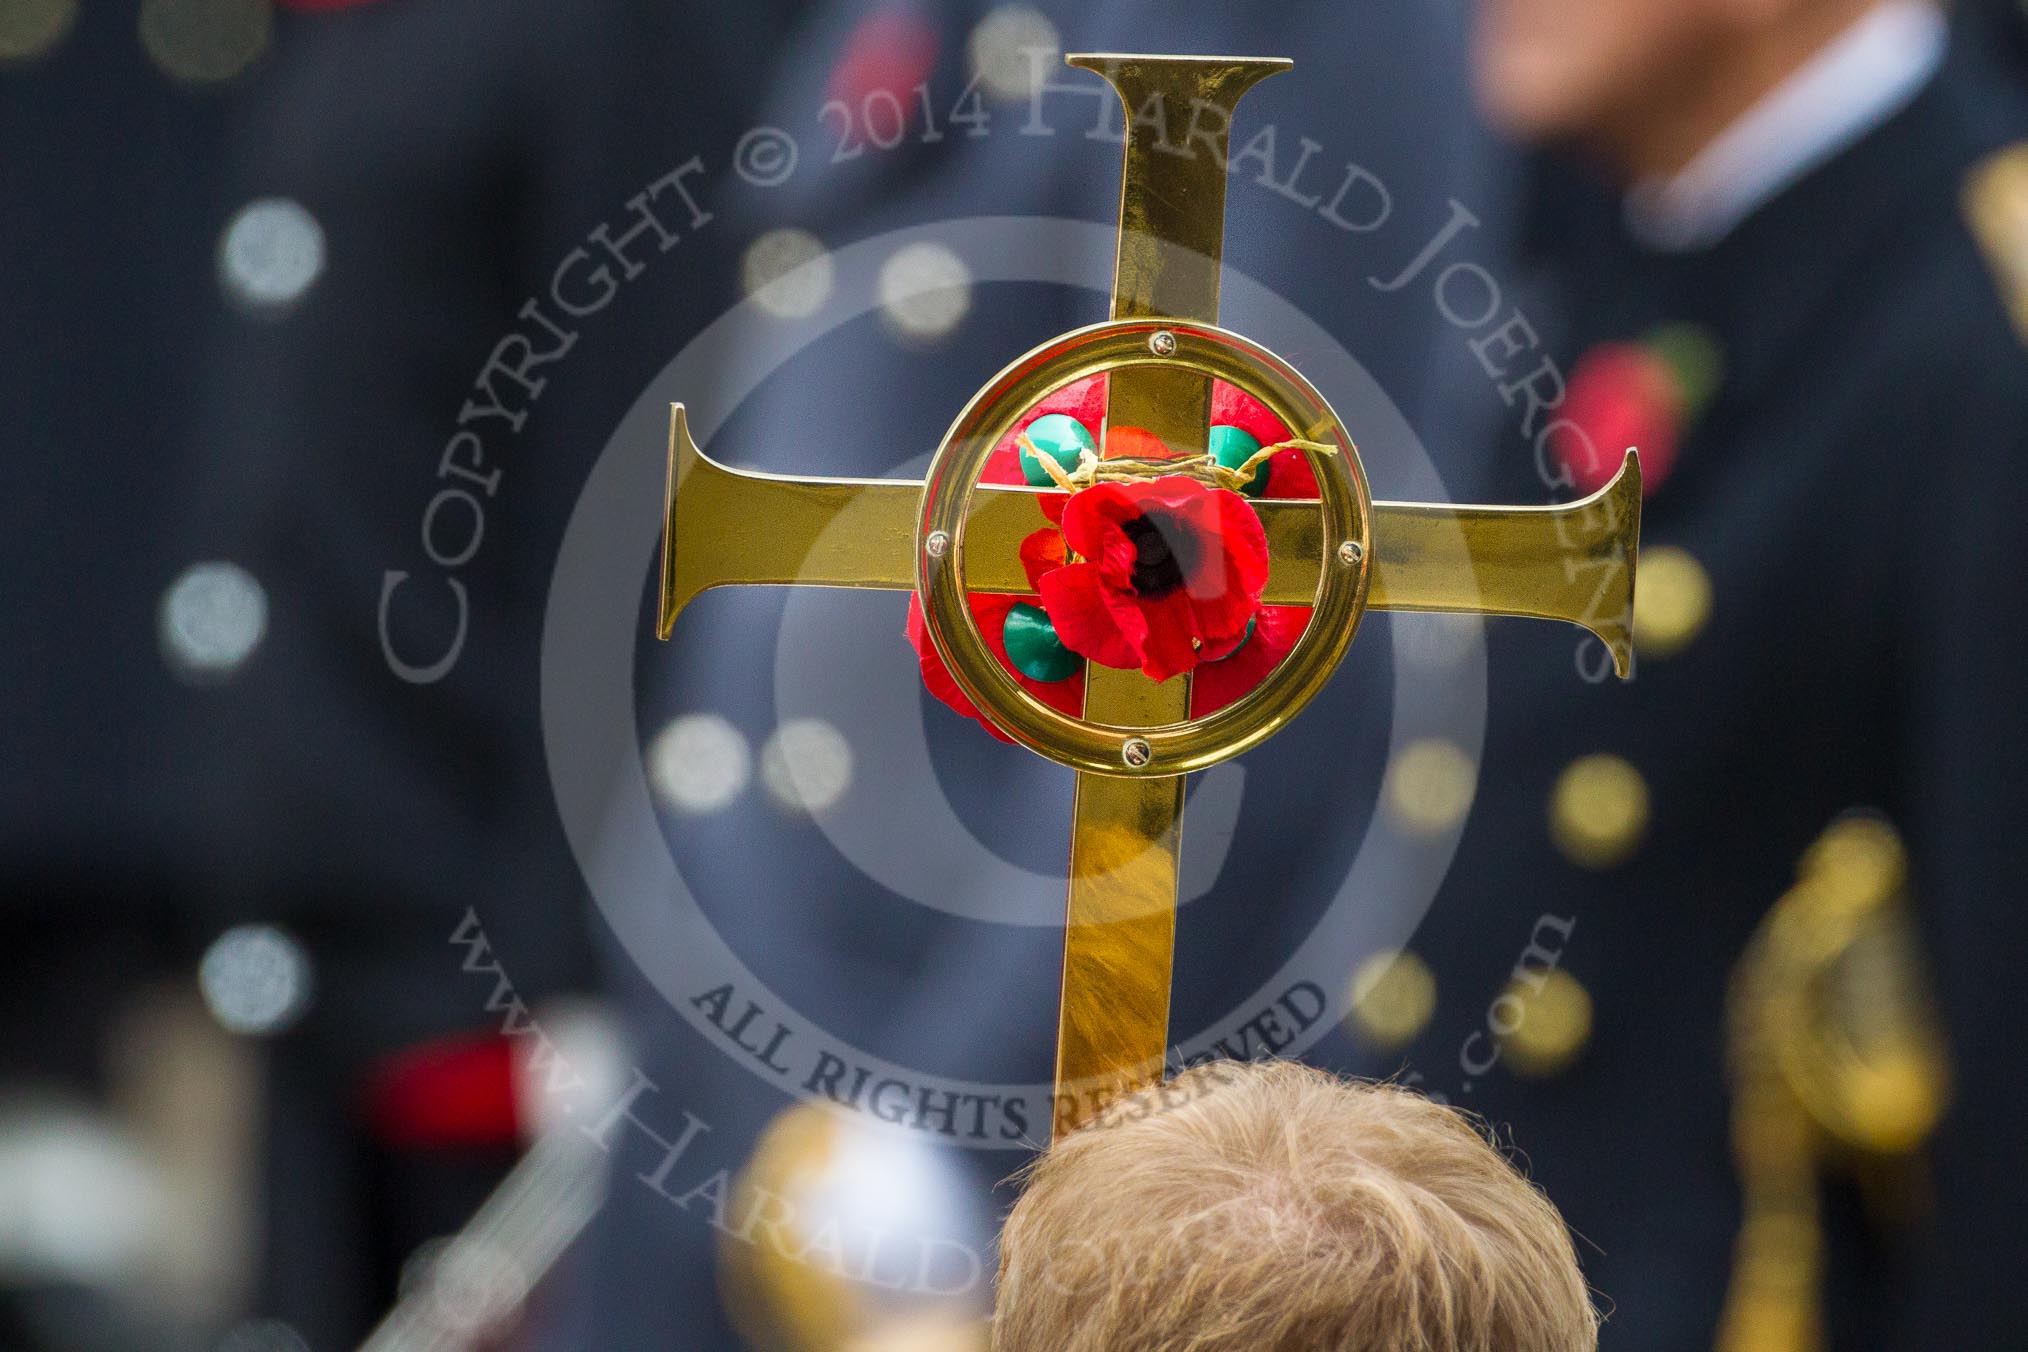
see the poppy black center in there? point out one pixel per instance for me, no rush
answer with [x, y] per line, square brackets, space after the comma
[1164, 554]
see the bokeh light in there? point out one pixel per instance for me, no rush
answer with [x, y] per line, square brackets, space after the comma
[211, 619]
[205, 41]
[32, 28]
[1598, 811]
[925, 290]
[699, 763]
[1010, 47]
[1553, 1026]
[1429, 786]
[788, 273]
[1390, 999]
[1672, 602]
[269, 255]
[806, 765]
[255, 979]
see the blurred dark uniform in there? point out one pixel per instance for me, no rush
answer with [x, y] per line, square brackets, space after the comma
[374, 774]
[109, 167]
[92, 866]
[1998, 31]
[1852, 493]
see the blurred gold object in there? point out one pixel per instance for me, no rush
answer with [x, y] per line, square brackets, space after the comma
[1996, 207]
[1429, 786]
[774, 1298]
[1598, 811]
[1838, 1060]
[29, 28]
[205, 41]
[1339, 554]
[1391, 999]
[940, 1334]
[814, 1257]
[1674, 604]
[1555, 1023]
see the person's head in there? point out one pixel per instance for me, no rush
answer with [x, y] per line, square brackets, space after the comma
[1271, 1207]
[1645, 83]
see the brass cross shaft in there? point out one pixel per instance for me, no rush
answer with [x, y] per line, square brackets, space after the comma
[727, 527]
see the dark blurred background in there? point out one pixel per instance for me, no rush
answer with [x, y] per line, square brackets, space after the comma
[265, 901]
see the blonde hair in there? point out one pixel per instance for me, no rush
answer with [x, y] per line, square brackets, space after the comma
[1270, 1206]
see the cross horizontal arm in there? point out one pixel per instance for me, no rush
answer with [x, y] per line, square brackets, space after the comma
[728, 527]
[1572, 562]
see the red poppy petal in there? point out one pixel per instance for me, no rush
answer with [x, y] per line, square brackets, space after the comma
[1243, 541]
[1089, 511]
[1041, 552]
[1076, 599]
[1291, 475]
[1234, 407]
[1176, 493]
[1125, 609]
[1137, 442]
[1218, 683]
[1218, 649]
[1221, 621]
[1225, 586]
[1084, 400]
[1003, 466]
[991, 613]
[1171, 646]
[1281, 626]
[935, 676]
[1052, 505]
[1091, 520]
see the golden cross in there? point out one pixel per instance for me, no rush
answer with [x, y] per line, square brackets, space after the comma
[1136, 742]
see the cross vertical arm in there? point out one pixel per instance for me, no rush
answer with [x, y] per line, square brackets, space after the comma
[1120, 922]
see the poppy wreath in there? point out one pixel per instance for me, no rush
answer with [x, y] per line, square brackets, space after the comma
[1157, 572]
[1647, 393]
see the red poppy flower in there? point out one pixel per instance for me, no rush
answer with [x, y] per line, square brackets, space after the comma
[1223, 635]
[1216, 684]
[1620, 395]
[890, 51]
[1172, 574]
[1040, 553]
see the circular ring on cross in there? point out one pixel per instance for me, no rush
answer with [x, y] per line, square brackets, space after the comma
[1332, 535]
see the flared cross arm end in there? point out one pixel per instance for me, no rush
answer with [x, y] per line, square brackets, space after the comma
[1574, 561]
[729, 527]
